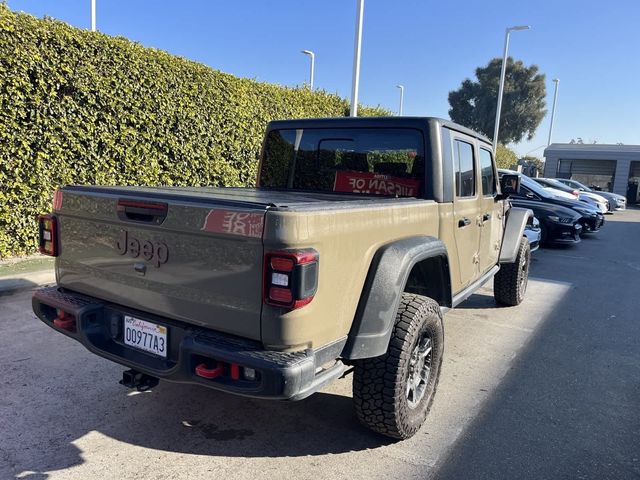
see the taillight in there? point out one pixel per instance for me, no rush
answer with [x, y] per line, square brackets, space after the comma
[290, 278]
[48, 229]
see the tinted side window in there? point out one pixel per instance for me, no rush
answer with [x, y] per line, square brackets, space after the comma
[486, 170]
[465, 173]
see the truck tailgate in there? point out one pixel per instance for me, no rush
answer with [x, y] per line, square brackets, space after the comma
[190, 256]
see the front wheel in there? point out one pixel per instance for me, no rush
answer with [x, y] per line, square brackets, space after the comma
[510, 283]
[392, 393]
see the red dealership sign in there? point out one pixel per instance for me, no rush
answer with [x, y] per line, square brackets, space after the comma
[376, 184]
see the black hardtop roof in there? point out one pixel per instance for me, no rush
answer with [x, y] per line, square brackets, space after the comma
[370, 122]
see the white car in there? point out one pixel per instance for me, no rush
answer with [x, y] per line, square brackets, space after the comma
[561, 190]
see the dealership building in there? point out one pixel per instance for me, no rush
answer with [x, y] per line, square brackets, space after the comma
[614, 168]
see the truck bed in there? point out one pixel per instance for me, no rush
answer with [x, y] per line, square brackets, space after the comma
[201, 263]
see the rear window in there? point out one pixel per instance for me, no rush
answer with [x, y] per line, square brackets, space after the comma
[387, 162]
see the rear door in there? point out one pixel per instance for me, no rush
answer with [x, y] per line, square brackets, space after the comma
[466, 206]
[491, 211]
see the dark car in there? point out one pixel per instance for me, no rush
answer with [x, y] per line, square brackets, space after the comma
[558, 224]
[590, 219]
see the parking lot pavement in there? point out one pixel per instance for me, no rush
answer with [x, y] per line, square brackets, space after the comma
[549, 389]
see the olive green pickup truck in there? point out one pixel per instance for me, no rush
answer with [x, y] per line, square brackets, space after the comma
[359, 235]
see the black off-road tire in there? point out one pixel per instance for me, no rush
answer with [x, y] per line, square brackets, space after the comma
[510, 283]
[380, 384]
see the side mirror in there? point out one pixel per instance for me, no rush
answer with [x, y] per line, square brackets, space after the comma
[509, 185]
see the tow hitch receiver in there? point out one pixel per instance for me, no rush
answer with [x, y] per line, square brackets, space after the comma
[137, 380]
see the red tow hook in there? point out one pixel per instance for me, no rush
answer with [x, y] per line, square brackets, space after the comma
[65, 321]
[205, 372]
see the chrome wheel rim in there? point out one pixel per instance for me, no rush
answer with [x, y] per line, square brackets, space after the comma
[419, 371]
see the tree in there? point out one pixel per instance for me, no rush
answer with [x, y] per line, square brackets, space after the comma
[474, 103]
[505, 157]
[531, 160]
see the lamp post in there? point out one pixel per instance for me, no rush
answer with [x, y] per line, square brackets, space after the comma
[401, 87]
[553, 110]
[356, 60]
[313, 66]
[93, 15]
[502, 74]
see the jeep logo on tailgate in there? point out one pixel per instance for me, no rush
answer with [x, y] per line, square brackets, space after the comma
[157, 252]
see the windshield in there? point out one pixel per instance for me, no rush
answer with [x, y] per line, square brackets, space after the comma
[577, 184]
[553, 183]
[535, 187]
[369, 161]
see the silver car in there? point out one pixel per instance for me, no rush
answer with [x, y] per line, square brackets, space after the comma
[533, 233]
[617, 202]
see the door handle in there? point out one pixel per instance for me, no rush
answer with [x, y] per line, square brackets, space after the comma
[463, 222]
[486, 216]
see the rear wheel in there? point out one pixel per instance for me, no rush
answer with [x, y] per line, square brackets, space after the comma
[510, 283]
[392, 393]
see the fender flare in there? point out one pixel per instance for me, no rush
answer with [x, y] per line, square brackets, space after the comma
[514, 229]
[382, 291]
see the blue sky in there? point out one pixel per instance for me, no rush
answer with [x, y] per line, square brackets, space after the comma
[428, 46]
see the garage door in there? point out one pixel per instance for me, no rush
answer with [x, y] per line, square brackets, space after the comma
[590, 172]
[587, 167]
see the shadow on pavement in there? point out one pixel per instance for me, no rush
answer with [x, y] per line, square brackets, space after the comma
[178, 418]
[8, 286]
[568, 408]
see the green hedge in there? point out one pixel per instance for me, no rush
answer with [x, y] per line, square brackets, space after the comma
[85, 108]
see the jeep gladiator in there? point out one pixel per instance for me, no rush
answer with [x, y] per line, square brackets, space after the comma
[359, 235]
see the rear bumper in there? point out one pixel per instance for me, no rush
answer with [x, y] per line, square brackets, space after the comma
[278, 375]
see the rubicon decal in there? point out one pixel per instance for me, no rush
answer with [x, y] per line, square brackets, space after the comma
[155, 252]
[234, 222]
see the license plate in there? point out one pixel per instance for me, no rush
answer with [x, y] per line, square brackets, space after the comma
[146, 336]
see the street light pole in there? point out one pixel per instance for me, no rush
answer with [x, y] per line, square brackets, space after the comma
[93, 15]
[313, 63]
[356, 60]
[508, 31]
[553, 110]
[401, 87]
